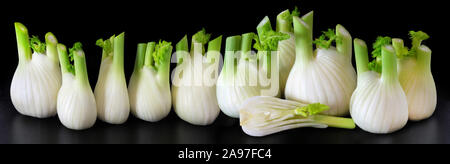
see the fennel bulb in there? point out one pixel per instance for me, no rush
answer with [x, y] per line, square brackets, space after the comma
[76, 102]
[37, 79]
[325, 75]
[111, 94]
[264, 115]
[233, 86]
[378, 104]
[194, 81]
[252, 75]
[149, 87]
[414, 68]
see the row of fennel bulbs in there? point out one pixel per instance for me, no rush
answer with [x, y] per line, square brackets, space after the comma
[323, 76]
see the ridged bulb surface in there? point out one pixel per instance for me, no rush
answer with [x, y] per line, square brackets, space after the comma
[377, 106]
[149, 100]
[286, 53]
[231, 94]
[419, 87]
[35, 86]
[111, 94]
[76, 104]
[195, 103]
[329, 79]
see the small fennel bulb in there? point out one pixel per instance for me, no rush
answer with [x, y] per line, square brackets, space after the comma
[194, 79]
[37, 79]
[379, 104]
[76, 102]
[252, 75]
[325, 75]
[233, 84]
[264, 115]
[149, 87]
[111, 93]
[414, 68]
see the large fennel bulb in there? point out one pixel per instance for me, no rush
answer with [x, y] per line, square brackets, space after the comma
[378, 104]
[194, 81]
[325, 75]
[149, 87]
[76, 102]
[415, 76]
[264, 115]
[111, 93]
[37, 79]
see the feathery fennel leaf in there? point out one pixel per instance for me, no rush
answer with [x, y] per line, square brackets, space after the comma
[326, 39]
[201, 37]
[106, 45]
[162, 52]
[375, 64]
[267, 39]
[37, 45]
[417, 37]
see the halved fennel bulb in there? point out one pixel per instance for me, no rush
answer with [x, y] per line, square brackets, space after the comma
[325, 75]
[149, 87]
[76, 102]
[264, 115]
[111, 93]
[37, 79]
[194, 80]
[379, 104]
[414, 68]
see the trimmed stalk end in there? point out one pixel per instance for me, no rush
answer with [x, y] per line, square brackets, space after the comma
[182, 45]
[23, 42]
[389, 66]
[51, 43]
[344, 41]
[303, 39]
[215, 44]
[361, 56]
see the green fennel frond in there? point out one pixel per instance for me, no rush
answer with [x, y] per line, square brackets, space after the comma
[37, 45]
[417, 37]
[326, 39]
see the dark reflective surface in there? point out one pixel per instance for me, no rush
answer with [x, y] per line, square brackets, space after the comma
[16, 128]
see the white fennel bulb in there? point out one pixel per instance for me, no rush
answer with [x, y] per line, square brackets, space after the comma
[37, 79]
[253, 74]
[194, 81]
[378, 104]
[414, 68]
[325, 75]
[76, 102]
[264, 115]
[233, 84]
[111, 93]
[149, 87]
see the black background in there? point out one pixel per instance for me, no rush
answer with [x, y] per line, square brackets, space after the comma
[144, 21]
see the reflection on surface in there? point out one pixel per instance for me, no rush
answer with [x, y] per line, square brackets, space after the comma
[32, 130]
[16, 128]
